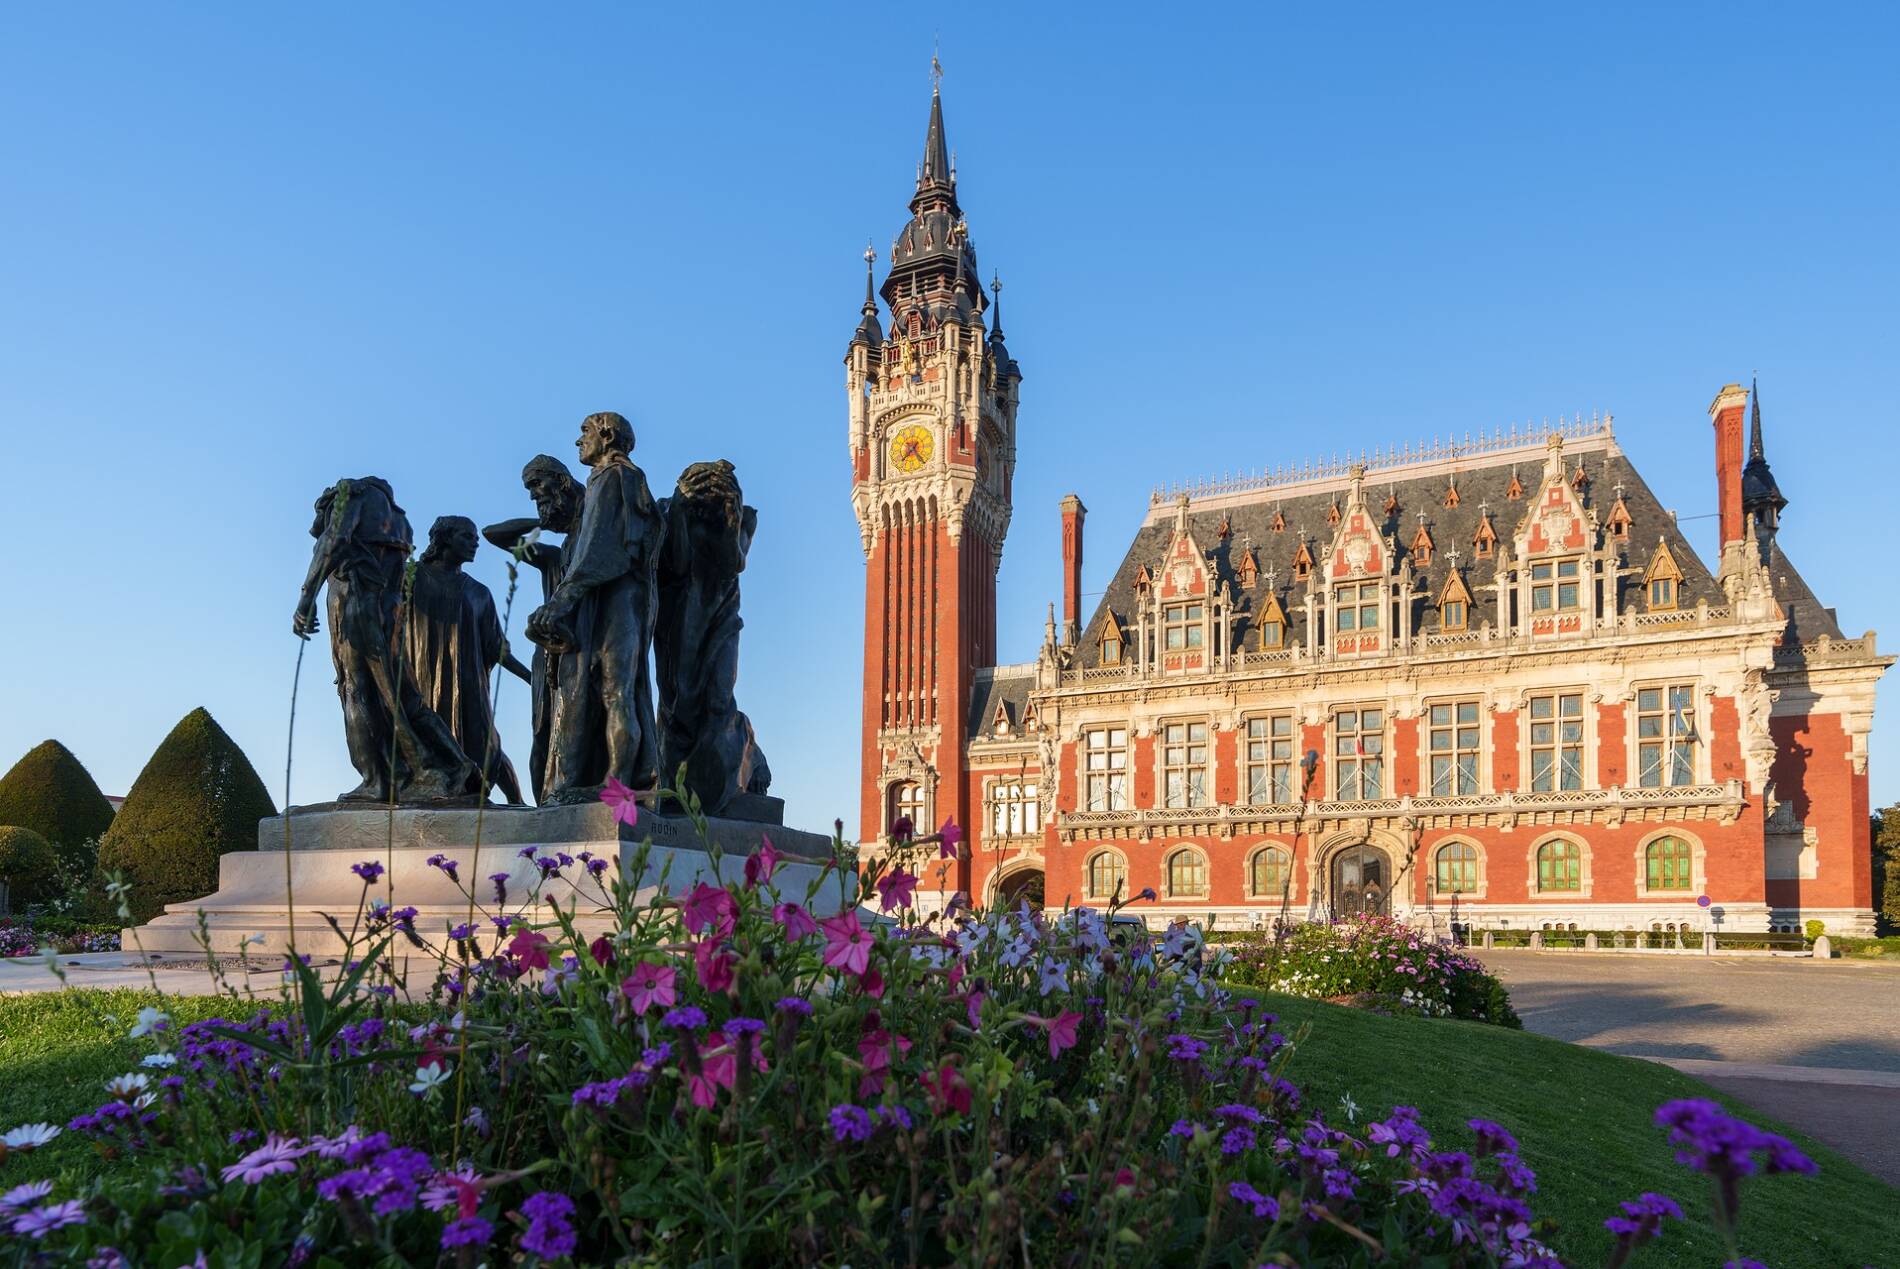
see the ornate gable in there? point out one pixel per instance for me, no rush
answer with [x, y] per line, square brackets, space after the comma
[1620, 517]
[1357, 550]
[1247, 571]
[1272, 624]
[1302, 562]
[1516, 491]
[1421, 545]
[1184, 570]
[1662, 580]
[1485, 540]
[1558, 522]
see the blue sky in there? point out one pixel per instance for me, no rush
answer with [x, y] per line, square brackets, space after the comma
[250, 250]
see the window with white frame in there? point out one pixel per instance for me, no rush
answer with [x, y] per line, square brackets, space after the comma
[907, 809]
[1665, 735]
[1184, 764]
[1181, 626]
[1556, 738]
[1187, 874]
[1105, 768]
[1356, 606]
[1270, 760]
[1556, 586]
[1013, 809]
[1359, 753]
[1452, 737]
[1270, 872]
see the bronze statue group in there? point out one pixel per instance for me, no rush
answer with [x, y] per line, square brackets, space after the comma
[635, 580]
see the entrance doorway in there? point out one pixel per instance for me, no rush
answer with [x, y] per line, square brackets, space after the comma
[1024, 886]
[1362, 882]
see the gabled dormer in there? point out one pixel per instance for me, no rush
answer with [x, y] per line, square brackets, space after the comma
[1278, 523]
[1620, 518]
[1183, 611]
[1114, 641]
[1302, 562]
[1451, 493]
[1358, 573]
[1662, 580]
[1516, 492]
[1556, 543]
[1421, 544]
[1485, 540]
[1272, 624]
[1246, 568]
[1454, 602]
[999, 721]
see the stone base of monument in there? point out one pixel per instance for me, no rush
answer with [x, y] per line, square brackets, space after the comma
[324, 841]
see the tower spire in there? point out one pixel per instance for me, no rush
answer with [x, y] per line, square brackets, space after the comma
[996, 318]
[1761, 496]
[869, 332]
[935, 169]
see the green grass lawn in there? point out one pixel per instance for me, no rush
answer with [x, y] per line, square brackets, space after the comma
[1585, 1122]
[1583, 1119]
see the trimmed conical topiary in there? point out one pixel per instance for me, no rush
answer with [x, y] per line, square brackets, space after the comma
[198, 798]
[27, 866]
[50, 792]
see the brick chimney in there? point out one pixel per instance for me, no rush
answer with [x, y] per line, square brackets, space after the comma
[1725, 412]
[1072, 513]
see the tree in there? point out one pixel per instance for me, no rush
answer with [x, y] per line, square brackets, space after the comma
[197, 799]
[50, 792]
[1887, 865]
[27, 865]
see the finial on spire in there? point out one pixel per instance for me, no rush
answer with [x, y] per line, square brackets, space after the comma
[870, 295]
[936, 65]
[996, 318]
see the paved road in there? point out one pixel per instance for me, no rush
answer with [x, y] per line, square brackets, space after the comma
[1815, 1044]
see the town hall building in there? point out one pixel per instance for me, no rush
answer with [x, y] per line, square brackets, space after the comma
[1487, 683]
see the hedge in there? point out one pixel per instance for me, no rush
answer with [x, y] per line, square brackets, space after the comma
[51, 792]
[197, 799]
[28, 865]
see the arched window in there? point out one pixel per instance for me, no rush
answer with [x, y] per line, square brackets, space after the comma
[1187, 874]
[1455, 868]
[1271, 872]
[1669, 864]
[907, 803]
[1106, 874]
[1559, 866]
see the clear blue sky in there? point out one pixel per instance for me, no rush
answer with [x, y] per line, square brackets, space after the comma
[247, 250]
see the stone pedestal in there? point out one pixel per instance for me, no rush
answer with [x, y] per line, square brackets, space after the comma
[325, 841]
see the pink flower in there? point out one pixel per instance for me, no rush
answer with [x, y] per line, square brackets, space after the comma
[797, 922]
[761, 863]
[622, 801]
[602, 950]
[278, 1154]
[649, 985]
[710, 906]
[718, 1067]
[713, 965]
[948, 1090]
[1059, 1029]
[530, 949]
[902, 829]
[973, 1005]
[872, 983]
[894, 889]
[847, 943]
[951, 835]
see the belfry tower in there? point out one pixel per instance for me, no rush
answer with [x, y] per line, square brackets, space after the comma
[932, 409]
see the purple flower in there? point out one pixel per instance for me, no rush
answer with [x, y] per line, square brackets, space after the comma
[795, 1004]
[1185, 1048]
[738, 1026]
[369, 870]
[463, 932]
[20, 1195]
[1236, 1111]
[1400, 1133]
[894, 1115]
[549, 1233]
[279, 1154]
[1642, 1218]
[1263, 1207]
[1713, 1141]
[1184, 1128]
[1237, 1140]
[596, 866]
[501, 885]
[446, 864]
[851, 1123]
[43, 1220]
[470, 1231]
[686, 1017]
[1492, 1138]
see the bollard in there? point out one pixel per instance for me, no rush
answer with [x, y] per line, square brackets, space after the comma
[1590, 942]
[1823, 948]
[1487, 940]
[1537, 939]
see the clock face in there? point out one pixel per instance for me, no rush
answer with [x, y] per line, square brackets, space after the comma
[911, 447]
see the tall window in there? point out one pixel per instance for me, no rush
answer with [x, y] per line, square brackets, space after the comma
[1106, 874]
[1270, 872]
[1668, 864]
[1272, 634]
[1270, 760]
[1181, 626]
[1662, 593]
[1187, 874]
[1359, 753]
[1358, 606]
[1554, 586]
[1184, 763]
[1013, 809]
[1665, 735]
[1455, 868]
[1106, 768]
[1452, 615]
[1111, 646]
[1556, 741]
[907, 803]
[1559, 866]
[1454, 748]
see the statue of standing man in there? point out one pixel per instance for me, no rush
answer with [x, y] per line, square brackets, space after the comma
[600, 621]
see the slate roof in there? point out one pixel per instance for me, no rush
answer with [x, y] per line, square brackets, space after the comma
[1808, 618]
[1483, 488]
[1007, 685]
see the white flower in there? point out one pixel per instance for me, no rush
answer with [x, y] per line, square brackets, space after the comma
[252, 938]
[30, 1136]
[158, 1060]
[429, 1079]
[125, 1087]
[150, 1020]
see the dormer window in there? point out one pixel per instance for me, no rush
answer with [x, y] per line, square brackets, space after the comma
[1302, 563]
[1111, 644]
[1620, 521]
[1662, 593]
[1485, 539]
[1358, 605]
[1332, 513]
[1663, 580]
[1181, 627]
[1279, 522]
[1452, 614]
[1516, 490]
[1556, 586]
[1451, 495]
[1272, 636]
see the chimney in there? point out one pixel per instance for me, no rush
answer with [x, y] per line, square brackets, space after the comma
[1072, 513]
[1725, 412]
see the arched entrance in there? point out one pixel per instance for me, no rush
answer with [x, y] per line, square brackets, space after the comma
[1021, 886]
[1361, 881]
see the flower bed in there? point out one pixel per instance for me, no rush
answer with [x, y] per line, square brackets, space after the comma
[729, 1077]
[1377, 958]
[28, 935]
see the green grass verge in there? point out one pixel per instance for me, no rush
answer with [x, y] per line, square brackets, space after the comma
[1585, 1121]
